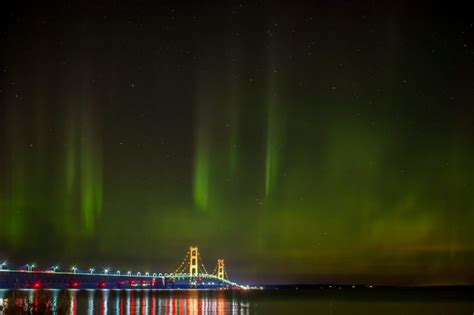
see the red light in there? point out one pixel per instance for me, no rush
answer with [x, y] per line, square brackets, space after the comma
[37, 285]
[75, 284]
[102, 284]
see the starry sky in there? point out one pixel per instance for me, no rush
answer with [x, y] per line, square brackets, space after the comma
[322, 142]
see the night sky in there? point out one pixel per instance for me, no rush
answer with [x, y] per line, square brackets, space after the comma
[322, 142]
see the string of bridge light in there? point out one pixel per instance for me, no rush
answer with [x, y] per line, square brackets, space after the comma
[183, 262]
[32, 267]
[181, 271]
[183, 267]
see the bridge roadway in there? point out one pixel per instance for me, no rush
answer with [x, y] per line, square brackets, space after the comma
[20, 279]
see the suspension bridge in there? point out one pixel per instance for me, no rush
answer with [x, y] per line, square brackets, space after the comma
[190, 274]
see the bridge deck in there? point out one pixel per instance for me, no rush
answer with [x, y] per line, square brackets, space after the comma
[10, 279]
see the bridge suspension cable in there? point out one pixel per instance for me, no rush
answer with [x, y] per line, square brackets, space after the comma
[220, 271]
[192, 263]
[182, 268]
[192, 267]
[214, 272]
[203, 268]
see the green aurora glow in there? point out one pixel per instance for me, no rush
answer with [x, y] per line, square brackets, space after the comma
[310, 150]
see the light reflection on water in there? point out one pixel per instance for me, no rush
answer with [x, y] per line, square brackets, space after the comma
[129, 302]
[144, 302]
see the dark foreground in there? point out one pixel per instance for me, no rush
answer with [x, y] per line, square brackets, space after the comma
[283, 301]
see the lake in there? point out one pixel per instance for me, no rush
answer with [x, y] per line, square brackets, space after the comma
[303, 301]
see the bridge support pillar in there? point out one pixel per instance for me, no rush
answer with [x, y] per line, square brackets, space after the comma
[220, 269]
[193, 261]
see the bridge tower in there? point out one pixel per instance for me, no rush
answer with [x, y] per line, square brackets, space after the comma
[193, 261]
[220, 269]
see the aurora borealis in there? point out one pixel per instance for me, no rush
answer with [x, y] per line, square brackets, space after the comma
[302, 143]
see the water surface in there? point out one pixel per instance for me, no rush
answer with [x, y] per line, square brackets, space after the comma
[314, 301]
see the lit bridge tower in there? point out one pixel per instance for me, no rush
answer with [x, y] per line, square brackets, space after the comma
[193, 261]
[220, 269]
